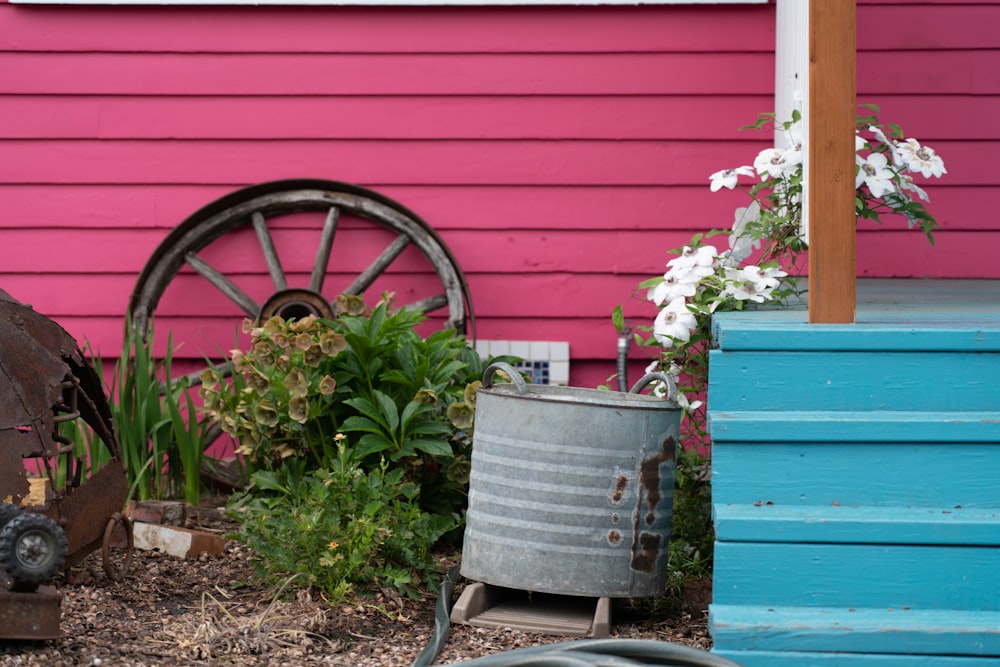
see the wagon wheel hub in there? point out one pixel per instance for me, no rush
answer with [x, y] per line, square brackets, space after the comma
[296, 304]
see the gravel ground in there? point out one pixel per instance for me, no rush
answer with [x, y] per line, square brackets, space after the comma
[209, 611]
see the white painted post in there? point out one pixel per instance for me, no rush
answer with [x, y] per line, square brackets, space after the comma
[791, 80]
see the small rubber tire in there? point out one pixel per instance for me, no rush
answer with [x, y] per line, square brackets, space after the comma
[33, 549]
[8, 512]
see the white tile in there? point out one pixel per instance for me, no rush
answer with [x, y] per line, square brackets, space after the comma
[520, 348]
[559, 372]
[538, 350]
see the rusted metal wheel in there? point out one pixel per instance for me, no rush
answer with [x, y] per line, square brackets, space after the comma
[285, 216]
[33, 549]
[117, 547]
[8, 512]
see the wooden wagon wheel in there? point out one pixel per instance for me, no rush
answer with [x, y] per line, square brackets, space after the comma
[260, 206]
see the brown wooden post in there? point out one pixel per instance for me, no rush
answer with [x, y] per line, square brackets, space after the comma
[831, 169]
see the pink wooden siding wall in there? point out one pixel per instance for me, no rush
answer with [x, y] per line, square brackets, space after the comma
[558, 151]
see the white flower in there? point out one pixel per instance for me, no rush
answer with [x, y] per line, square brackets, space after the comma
[685, 404]
[743, 291]
[906, 183]
[740, 244]
[794, 134]
[763, 278]
[674, 322]
[751, 283]
[727, 177]
[880, 135]
[744, 216]
[675, 284]
[874, 172]
[921, 158]
[684, 273]
[694, 258]
[777, 163]
[897, 156]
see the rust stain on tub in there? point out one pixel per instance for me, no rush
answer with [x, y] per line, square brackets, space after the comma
[646, 545]
[618, 494]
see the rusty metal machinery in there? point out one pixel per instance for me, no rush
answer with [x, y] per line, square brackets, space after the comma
[45, 381]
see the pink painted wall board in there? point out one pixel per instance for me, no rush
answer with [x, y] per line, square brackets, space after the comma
[559, 151]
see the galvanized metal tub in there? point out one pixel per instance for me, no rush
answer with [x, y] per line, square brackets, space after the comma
[571, 489]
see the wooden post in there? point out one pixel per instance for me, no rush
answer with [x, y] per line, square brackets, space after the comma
[830, 187]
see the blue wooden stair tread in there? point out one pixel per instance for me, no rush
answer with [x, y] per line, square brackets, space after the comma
[769, 522]
[865, 630]
[855, 426]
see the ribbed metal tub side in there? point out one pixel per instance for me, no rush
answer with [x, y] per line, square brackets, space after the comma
[571, 491]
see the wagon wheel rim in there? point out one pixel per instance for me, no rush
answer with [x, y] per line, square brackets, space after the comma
[107, 545]
[260, 205]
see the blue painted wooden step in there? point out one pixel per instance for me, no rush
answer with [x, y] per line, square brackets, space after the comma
[924, 474]
[768, 522]
[803, 659]
[854, 381]
[856, 426]
[857, 630]
[766, 574]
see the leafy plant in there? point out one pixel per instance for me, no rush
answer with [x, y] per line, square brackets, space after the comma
[394, 396]
[155, 420]
[344, 529]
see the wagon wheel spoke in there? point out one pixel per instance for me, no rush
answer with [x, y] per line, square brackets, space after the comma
[270, 252]
[224, 284]
[323, 252]
[430, 304]
[378, 266]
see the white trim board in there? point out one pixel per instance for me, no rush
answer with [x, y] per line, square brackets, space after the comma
[398, 3]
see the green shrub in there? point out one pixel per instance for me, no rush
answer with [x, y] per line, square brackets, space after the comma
[692, 535]
[398, 398]
[346, 530]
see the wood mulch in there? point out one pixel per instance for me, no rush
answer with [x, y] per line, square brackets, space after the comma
[210, 611]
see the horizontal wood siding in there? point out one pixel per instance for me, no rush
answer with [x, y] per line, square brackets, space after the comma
[559, 151]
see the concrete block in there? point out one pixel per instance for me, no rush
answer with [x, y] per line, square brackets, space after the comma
[175, 541]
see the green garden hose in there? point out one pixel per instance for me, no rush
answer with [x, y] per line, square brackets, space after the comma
[577, 653]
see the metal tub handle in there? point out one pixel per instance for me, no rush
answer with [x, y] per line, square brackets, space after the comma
[509, 371]
[658, 376]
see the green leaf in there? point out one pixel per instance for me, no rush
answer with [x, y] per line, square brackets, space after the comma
[432, 446]
[618, 319]
[389, 411]
[372, 411]
[267, 480]
[358, 423]
[371, 444]
[411, 411]
[430, 428]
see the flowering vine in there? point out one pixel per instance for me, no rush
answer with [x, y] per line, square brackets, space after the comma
[760, 261]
